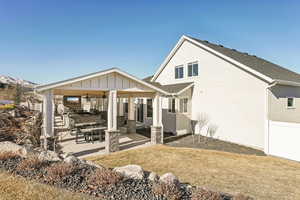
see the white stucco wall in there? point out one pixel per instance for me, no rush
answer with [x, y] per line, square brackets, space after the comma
[233, 99]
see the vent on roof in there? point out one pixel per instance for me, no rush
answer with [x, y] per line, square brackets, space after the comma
[221, 45]
[233, 49]
[206, 41]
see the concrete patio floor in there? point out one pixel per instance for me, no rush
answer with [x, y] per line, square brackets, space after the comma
[83, 149]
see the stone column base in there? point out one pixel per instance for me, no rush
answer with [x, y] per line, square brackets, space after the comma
[131, 126]
[48, 143]
[156, 135]
[111, 141]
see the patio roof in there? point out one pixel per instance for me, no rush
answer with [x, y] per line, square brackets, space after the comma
[99, 82]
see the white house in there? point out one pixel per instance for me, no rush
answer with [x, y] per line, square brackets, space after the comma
[246, 100]
[249, 100]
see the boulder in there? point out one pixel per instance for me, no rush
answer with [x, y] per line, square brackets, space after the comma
[72, 159]
[169, 178]
[12, 147]
[131, 171]
[153, 177]
[49, 156]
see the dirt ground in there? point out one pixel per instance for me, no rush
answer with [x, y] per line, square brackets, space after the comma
[211, 144]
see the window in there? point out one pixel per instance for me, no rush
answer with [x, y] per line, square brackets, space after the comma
[193, 69]
[179, 72]
[290, 102]
[149, 108]
[171, 105]
[126, 107]
[183, 105]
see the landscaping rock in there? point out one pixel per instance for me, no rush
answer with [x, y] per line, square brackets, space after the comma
[131, 171]
[169, 178]
[72, 159]
[49, 156]
[153, 177]
[12, 147]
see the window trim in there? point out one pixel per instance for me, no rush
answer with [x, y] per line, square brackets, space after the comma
[192, 64]
[170, 109]
[187, 104]
[287, 103]
[178, 67]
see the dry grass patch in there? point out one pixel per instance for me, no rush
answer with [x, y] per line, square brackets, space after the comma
[5, 155]
[103, 178]
[262, 177]
[58, 170]
[204, 194]
[31, 163]
[170, 191]
[19, 188]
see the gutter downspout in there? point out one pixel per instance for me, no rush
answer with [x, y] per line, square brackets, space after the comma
[267, 138]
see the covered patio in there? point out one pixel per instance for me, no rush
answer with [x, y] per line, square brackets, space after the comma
[116, 87]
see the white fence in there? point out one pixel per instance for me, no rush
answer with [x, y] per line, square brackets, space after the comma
[284, 140]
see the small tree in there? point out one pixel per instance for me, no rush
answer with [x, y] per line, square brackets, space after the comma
[211, 130]
[202, 121]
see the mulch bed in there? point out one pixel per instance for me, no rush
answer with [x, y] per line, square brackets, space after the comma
[211, 144]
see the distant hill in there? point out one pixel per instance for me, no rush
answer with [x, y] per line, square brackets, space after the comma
[14, 81]
[8, 87]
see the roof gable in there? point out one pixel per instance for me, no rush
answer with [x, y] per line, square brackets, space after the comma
[94, 80]
[259, 67]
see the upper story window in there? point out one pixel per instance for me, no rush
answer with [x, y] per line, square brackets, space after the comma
[171, 107]
[290, 102]
[179, 72]
[193, 69]
[183, 105]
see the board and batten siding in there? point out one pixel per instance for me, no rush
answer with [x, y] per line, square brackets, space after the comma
[234, 100]
[107, 82]
[278, 110]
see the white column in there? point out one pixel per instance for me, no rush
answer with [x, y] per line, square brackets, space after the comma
[112, 110]
[121, 107]
[131, 109]
[157, 111]
[48, 114]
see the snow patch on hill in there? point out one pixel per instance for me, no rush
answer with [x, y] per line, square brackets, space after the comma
[14, 81]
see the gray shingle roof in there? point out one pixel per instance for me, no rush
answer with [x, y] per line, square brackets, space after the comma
[171, 88]
[265, 67]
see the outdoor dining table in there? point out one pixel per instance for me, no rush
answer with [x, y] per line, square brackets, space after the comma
[90, 133]
[86, 124]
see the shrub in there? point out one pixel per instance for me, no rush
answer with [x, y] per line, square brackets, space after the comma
[242, 197]
[31, 163]
[103, 178]
[170, 191]
[204, 194]
[6, 155]
[59, 170]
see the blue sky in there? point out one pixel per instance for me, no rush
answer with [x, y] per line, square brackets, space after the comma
[46, 41]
